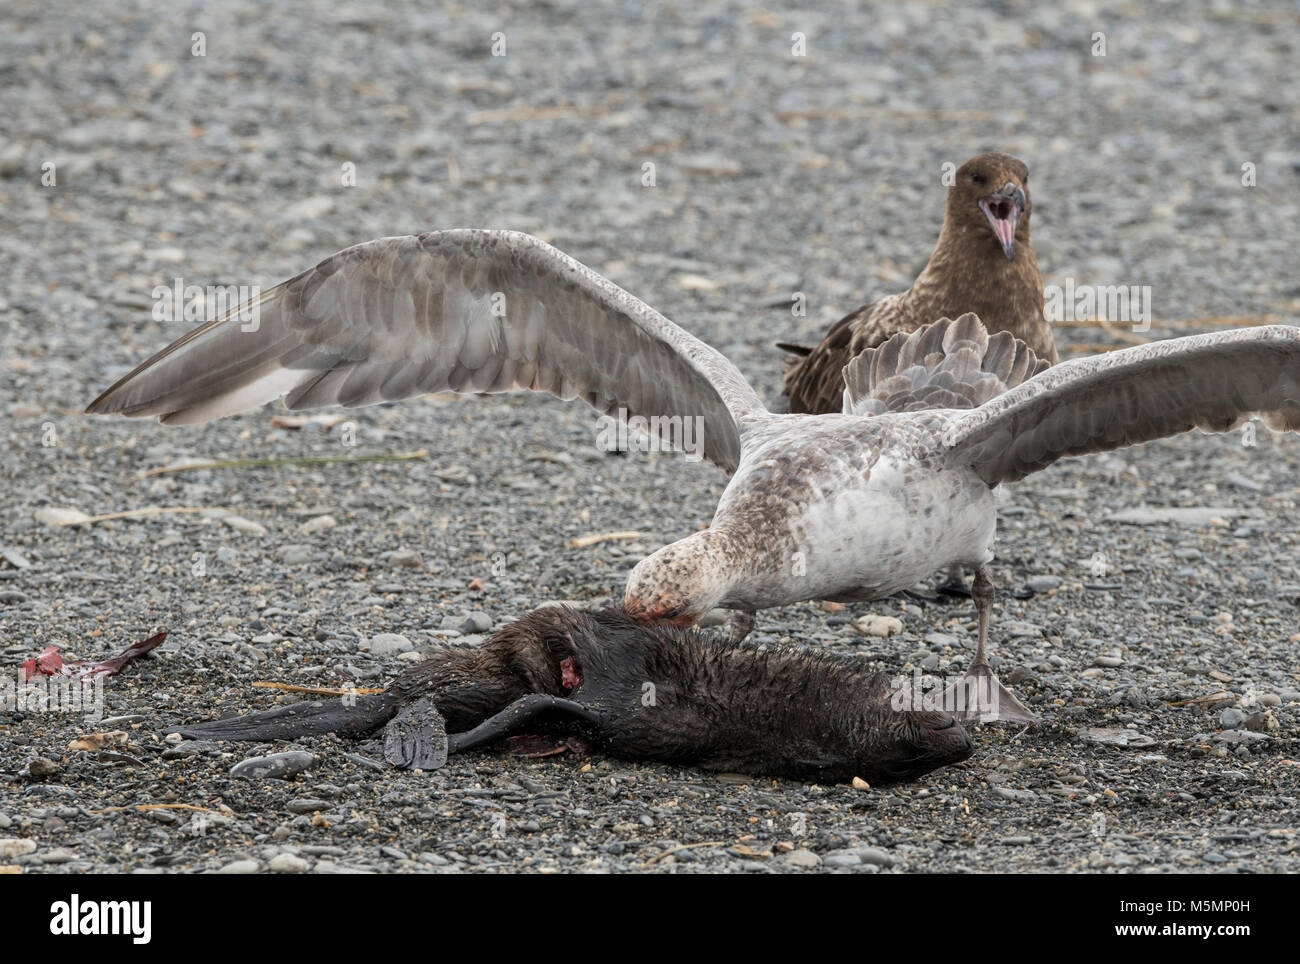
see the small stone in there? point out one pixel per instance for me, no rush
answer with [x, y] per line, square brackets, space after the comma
[876, 625]
[60, 856]
[94, 742]
[1020, 796]
[246, 866]
[711, 165]
[295, 555]
[318, 524]
[842, 859]
[240, 524]
[1231, 718]
[860, 784]
[273, 765]
[11, 847]
[475, 622]
[386, 644]
[802, 858]
[1262, 722]
[58, 518]
[287, 864]
[1020, 629]
[306, 805]
[874, 855]
[1114, 736]
[41, 769]
[1044, 583]
[14, 558]
[1109, 661]
[402, 558]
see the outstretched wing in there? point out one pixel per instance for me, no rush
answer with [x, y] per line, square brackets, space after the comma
[1213, 382]
[462, 311]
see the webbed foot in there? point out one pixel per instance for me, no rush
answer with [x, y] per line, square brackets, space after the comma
[980, 697]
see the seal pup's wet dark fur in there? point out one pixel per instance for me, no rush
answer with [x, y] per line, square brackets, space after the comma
[668, 695]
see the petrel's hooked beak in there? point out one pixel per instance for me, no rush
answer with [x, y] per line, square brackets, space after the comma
[1003, 208]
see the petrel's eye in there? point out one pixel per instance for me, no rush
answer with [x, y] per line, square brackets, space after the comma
[976, 177]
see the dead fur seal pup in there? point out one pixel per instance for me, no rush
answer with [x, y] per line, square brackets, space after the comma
[663, 694]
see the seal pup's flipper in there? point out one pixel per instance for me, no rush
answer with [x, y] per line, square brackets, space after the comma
[307, 718]
[416, 738]
[520, 711]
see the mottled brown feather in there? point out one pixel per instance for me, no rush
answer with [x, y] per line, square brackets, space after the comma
[967, 272]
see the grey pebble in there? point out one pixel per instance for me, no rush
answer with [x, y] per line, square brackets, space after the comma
[475, 622]
[243, 866]
[874, 855]
[287, 864]
[1021, 796]
[842, 860]
[296, 555]
[402, 559]
[273, 765]
[306, 805]
[802, 858]
[318, 524]
[387, 644]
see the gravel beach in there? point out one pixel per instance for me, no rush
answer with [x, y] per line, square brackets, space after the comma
[1149, 599]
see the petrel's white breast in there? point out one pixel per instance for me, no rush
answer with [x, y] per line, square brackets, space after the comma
[861, 534]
